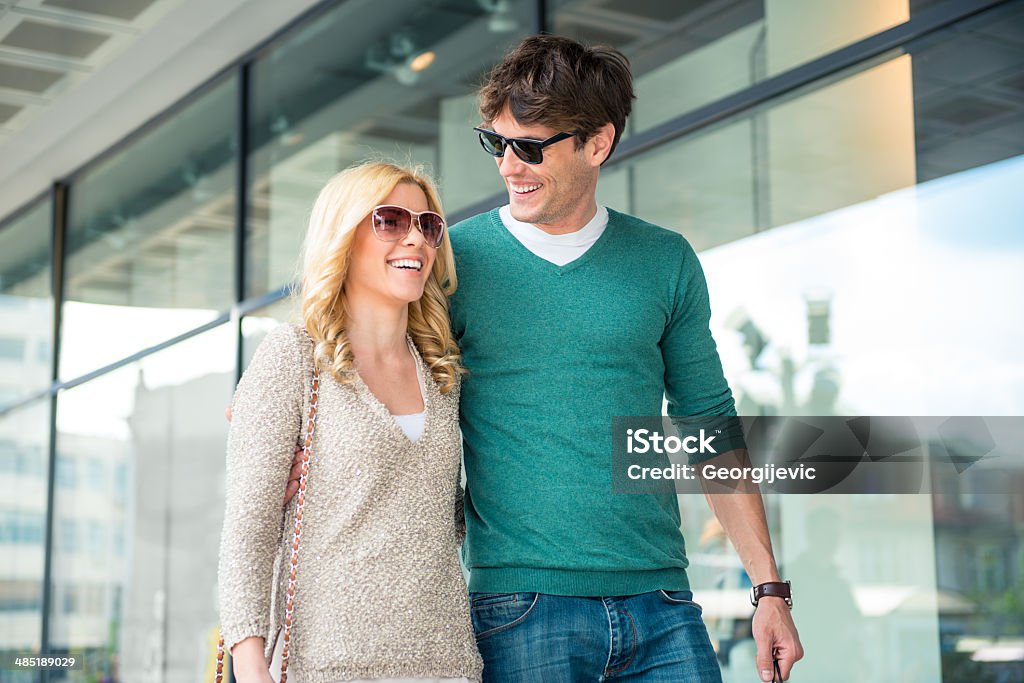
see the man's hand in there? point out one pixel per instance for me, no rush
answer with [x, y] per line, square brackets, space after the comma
[740, 509]
[775, 633]
[292, 485]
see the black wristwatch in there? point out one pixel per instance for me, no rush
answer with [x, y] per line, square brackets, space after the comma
[772, 589]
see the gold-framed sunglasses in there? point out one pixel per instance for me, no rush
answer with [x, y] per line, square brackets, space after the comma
[392, 223]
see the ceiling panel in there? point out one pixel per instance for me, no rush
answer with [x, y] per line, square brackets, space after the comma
[64, 41]
[126, 10]
[27, 78]
[7, 112]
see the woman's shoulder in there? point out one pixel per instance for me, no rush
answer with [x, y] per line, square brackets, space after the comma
[287, 343]
[287, 335]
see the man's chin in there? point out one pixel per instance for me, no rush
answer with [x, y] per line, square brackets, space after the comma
[523, 214]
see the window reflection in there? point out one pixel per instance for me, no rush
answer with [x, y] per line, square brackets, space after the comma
[856, 312]
[24, 451]
[688, 54]
[403, 87]
[879, 225]
[138, 513]
[150, 237]
[26, 304]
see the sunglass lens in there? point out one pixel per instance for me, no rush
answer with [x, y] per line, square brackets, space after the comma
[432, 227]
[530, 152]
[492, 144]
[391, 222]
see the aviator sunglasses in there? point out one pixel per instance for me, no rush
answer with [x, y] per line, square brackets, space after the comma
[530, 151]
[392, 223]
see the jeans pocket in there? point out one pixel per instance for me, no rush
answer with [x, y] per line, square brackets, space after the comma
[496, 612]
[679, 598]
[487, 599]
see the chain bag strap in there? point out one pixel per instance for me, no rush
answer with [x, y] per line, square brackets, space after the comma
[314, 394]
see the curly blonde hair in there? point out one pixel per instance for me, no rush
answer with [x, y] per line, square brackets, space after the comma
[346, 200]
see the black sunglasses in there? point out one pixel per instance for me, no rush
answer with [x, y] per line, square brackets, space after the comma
[530, 151]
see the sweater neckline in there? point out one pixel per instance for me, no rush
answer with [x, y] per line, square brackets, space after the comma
[385, 415]
[544, 264]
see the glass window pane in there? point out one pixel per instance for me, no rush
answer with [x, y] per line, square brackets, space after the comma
[689, 54]
[365, 80]
[150, 237]
[26, 304]
[861, 241]
[24, 452]
[137, 522]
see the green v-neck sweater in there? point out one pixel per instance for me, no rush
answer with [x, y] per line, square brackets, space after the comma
[554, 353]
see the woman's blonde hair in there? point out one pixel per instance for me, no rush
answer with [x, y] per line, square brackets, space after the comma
[346, 200]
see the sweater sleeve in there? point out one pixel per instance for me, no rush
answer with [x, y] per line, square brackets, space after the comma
[460, 513]
[460, 494]
[695, 383]
[265, 426]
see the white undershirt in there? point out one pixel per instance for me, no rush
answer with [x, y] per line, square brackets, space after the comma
[558, 249]
[413, 423]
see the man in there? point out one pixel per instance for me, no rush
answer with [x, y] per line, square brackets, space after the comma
[569, 314]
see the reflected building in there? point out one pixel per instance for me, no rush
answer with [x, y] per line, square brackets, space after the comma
[848, 172]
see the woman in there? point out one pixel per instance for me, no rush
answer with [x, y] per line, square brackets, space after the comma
[380, 593]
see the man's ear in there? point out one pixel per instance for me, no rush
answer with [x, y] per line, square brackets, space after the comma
[600, 144]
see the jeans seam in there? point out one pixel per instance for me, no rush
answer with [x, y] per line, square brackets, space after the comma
[676, 601]
[611, 637]
[512, 597]
[517, 620]
[632, 651]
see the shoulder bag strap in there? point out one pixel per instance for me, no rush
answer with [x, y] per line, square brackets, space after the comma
[314, 394]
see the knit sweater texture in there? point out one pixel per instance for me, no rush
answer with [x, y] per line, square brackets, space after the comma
[554, 353]
[380, 592]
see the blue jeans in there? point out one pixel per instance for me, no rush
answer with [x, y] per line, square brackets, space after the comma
[538, 638]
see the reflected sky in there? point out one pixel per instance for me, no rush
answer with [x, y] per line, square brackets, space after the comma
[918, 285]
[102, 406]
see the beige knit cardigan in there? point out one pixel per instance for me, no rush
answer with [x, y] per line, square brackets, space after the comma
[380, 592]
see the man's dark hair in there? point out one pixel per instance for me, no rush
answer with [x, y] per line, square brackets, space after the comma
[559, 83]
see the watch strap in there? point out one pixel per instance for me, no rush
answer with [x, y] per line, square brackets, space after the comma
[772, 589]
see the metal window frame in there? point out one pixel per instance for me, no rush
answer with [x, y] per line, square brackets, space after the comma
[850, 56]
[58, 213]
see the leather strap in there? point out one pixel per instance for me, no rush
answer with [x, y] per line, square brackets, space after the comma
[777, 672]
[314, 394]
[772, 589]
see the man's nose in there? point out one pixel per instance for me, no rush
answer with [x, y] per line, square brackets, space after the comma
[510, 164]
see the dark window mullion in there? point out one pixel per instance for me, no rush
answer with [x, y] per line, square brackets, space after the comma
[241, 208]
[59, 193]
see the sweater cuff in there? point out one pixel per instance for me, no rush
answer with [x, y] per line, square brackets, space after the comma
[235, 633]
[725, 432]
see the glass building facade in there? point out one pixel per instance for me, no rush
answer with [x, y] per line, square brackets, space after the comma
[850, 173]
